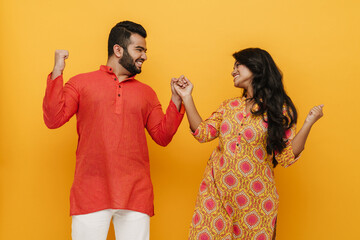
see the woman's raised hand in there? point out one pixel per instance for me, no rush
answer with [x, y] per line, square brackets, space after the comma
[298, 143]
[315, 114]
[182, 86]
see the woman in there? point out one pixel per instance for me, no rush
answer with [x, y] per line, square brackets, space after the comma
[237, 197]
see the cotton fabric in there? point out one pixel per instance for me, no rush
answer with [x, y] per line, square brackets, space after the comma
[128, 225]
[237, 198]
[112, 161]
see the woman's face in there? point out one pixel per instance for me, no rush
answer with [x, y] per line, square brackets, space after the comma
[242, 76]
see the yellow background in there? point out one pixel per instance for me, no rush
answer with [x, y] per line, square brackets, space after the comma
[315, 43]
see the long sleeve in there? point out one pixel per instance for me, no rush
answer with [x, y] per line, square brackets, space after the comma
[208, 129]
[60, 102]
[112, 168]
[162, 127]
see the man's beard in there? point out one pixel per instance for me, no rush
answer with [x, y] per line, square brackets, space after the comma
[128, 63]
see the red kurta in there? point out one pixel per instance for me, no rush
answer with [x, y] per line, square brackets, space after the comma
[112, 160]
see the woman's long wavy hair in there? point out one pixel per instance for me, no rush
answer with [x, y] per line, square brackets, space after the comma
[269, 94]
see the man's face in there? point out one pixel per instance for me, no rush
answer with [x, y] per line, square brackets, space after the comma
[134, 55]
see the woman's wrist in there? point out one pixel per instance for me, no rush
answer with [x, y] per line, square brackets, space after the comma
[306, 126]
[187, 98]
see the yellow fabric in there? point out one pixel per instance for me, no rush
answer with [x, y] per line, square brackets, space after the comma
[237, 197]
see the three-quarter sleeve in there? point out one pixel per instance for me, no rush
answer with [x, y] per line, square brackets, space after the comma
[286, 158]
[60, 102]
[208, 129]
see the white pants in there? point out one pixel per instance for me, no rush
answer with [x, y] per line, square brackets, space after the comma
[128, 225]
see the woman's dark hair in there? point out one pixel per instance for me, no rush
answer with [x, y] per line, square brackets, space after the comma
[120, 34]
[269, 95]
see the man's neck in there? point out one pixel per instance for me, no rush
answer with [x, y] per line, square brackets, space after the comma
[120, 72]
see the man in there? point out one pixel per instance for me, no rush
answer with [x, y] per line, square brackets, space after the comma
[112, 175]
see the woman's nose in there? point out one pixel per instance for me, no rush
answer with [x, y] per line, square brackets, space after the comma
[233, 73]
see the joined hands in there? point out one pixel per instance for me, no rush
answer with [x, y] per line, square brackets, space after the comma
[181, 87]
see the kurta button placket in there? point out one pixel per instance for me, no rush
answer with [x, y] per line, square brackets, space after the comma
[111, 156]
[119, 99]
[238, 139]
[245, 145]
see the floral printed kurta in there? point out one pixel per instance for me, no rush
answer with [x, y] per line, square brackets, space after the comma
[237, 198]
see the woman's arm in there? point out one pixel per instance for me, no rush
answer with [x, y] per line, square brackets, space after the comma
[298, 143]
[184, 89]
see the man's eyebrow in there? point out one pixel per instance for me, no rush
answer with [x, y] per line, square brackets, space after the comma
[140, 47]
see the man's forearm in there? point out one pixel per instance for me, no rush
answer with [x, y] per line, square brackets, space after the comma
[56, 73]
[177, 101]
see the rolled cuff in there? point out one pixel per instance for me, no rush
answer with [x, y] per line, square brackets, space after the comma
[287, 158]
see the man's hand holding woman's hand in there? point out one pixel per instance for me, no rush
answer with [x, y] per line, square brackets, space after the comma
[182, 86]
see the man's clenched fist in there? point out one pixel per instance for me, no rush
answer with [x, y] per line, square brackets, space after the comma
[59, 65]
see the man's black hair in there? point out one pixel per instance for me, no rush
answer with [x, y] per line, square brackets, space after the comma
[120, 34]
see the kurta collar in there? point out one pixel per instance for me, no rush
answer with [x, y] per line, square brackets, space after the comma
[110, 71]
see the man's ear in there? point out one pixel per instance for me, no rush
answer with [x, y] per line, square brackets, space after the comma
[118, 51]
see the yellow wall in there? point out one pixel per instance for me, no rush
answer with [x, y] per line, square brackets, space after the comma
[315, 43]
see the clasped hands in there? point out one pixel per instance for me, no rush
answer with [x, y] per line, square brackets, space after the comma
[181, 87]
